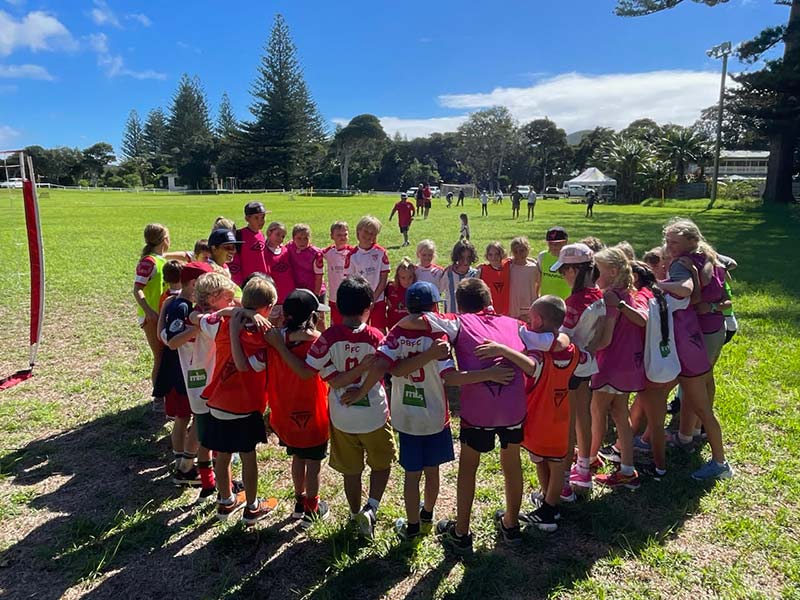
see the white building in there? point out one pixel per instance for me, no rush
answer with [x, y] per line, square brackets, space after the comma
[751, 164]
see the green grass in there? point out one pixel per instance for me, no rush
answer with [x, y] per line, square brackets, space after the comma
[86, 508]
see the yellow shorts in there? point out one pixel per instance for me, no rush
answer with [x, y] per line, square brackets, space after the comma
[347, 450]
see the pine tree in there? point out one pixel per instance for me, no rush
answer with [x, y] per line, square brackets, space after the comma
[227, 126]
[188, 139]
[155, 132]
[133, 137]
[286, 133]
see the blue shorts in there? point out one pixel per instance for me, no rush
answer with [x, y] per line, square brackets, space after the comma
[420, 451]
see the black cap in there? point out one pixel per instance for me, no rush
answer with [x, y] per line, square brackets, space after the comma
[254, 208]
[219, 237]
[301, 302]
[556, 234]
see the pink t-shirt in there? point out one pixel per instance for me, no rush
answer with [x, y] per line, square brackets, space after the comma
[369, 264]
[249, 257]
[306, 265]
[621, 363]
[280, 269]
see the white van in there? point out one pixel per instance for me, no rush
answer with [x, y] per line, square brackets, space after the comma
[574, 189]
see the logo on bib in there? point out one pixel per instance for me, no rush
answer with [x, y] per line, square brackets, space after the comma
[197, 378]
[413, 396]
[301, 418]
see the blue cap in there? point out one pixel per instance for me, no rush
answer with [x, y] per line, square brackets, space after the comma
[420, 295]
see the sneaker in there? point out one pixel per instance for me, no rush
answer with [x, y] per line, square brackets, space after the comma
[672, 439]
[311, 517]
[617, 480]
[251, 516]
[425, 523]
[537, 497]
[206, 493]
[226, 510]
[577, 478]
[567, 495]
[512, 536]
[365, 520]
[544, 517]
[188, 478]
[652, 471]
[537, 501]
[610, 454]
[640, 445]
[674, 407]
[459, 544]
[299, 507]
[401, 529]
[158, 406]
[713, 470]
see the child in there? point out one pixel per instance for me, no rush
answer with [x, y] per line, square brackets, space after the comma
[516, 200]
[531, 204]
[299, 401]
[583, 323]
[336, 256]
[148, 285]
[223, 223]
[276, 256]
[547, 423]
[404, 277]
[449, 199]
[462, 258]
[551, 283]
[655, 260]
[620, 365]
[496, 273]
[306, 261]
[484, 204]
[522, 279]
[371, 261]
[405, 215]
[418, 359]
[492, 404]
[201, 252]
[223, 244]
[359, 425]
[463, 232]
[172, 277]
[249, 257]
[237, 399]
[426, 270]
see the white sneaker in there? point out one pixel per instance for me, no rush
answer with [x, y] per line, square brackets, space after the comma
[365, 520]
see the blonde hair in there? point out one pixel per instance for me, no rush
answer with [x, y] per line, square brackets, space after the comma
[497, 246]
[275, 225]
[209, 285]
[407, 264]
[301, 228]
[520, 242]
[427, 245]
[626, 247]
[369, 223]
[615, 257]
[594, 243]
[154, 236]
[258, 293]
[688, 230]
[339, 225]
[223, 223]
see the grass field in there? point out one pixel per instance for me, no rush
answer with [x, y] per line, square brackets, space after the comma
[86, 509]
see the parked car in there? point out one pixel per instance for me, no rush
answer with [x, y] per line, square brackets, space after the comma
[574, 189]
[435, 191]
[552, 192]
[524, 190]
[13, 182]
[411, 192]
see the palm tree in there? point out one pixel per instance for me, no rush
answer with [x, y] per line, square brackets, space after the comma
[679, 146]
[625, 158]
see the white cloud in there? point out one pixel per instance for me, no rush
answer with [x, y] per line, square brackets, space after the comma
[102, 14]
[7, 135]
[35, 31]
[140, 18]
[113, 65]
[25, 72]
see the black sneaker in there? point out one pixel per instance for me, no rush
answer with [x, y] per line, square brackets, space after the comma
[263, 508]
[189, 478]
[674, 407]
[206, 493]
[544, 517]
[652, 471]
[425, 520]
[610, 454]
[309, 517]
[459, 544]
[511, 536]
[299, 507]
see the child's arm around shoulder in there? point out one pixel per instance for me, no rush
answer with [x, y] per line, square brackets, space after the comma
[490, 349]
[275, 339]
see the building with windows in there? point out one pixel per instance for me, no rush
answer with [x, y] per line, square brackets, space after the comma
[751, 164]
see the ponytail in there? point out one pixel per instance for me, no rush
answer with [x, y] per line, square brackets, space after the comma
[154, 236]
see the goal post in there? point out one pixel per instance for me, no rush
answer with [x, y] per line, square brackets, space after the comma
[470, 191]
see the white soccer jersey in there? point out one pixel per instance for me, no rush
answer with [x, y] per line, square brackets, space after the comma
[432, 274]
[336, 260]
[369, 264]
[199, 366]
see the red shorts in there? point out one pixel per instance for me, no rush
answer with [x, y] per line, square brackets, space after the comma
[336, 316]
[377, 317]
[177, 405]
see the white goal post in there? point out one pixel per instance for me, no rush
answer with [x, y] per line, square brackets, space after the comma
[470, 191]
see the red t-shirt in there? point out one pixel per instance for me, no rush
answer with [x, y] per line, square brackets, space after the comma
[499, 282]
[405, 212]
[395, 303]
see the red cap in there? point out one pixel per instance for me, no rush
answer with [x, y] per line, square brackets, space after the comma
[193, 270]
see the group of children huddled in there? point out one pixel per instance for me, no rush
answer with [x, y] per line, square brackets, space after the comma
[543, 351]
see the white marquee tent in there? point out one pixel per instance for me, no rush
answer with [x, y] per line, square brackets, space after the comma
[593, 178]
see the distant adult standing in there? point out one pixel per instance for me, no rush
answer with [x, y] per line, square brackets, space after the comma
[516, 200]
[420, 197]
[590, 200]
[531, 204]
[460, 201]
[426, 197]
[484, 204]
[549, 282]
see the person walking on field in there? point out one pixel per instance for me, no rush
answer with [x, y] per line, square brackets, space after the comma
[420, 198]
[590, 200]
[460, 201]
[426, 196]
[531, 204]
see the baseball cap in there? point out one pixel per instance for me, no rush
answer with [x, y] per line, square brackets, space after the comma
[219, 237]
[300, 303]
[572, 254]
[420, 295]
[404, 195]
[193, 270]
[254, 208]
[556, 234]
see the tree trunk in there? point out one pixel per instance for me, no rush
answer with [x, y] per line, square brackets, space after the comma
[778, 189]
[344, 169]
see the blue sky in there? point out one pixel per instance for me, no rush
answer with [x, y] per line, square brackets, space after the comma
[71, 70]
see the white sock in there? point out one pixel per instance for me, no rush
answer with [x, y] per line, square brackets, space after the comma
[697, 431]
[684, 439]
[254, 505]
[626, 469]
[230, 500]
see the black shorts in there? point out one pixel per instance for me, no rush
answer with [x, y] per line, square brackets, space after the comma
[482, 440]
[403, 229]
[235, 435]
[312, 453]
[575, 382]
[201, 426]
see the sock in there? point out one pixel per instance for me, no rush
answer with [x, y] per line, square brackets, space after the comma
[253, 506]
[311, 504]
[697, 431]
[207, 479]
[592, 459]
[177, 457]
[425, 515]
[584, 463]
[412, 528]
[373, 504]
[230, 500]
[300, 498]
[626, 469]
[661, 471]
[684, 439]
[187, 462]
[723, 463]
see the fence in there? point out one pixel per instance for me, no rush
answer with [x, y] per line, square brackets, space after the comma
[144, 190]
